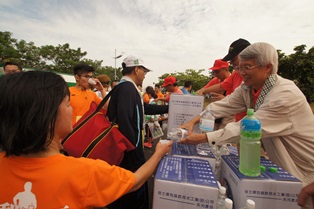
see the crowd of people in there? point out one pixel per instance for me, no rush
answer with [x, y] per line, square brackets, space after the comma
[37, 109]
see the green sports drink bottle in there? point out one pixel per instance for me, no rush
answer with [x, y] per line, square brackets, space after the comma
[250, 145]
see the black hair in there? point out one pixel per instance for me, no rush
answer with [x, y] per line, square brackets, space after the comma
[157, 85]
[188, 84]
[127, 70]
[82, 68]
[13, 63]
[151, 91]
[28, 110]
[148, 88]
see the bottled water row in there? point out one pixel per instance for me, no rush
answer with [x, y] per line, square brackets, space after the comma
[225, 203]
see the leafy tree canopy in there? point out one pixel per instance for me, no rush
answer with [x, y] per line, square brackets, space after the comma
[298, 66]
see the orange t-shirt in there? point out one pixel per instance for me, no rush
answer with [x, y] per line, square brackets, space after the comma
[229, 85]
[232, 82]
[59, 181]
[212, 82]
[177, 91]
[80, 102]
[146, 98]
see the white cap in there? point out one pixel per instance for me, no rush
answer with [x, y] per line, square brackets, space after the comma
[250, 204]
[132, 61]
[228, 203]
[222, 190]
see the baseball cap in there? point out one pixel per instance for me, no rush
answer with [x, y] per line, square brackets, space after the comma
[132, 61]
[235, 48]
[219, 64]
[169, 80]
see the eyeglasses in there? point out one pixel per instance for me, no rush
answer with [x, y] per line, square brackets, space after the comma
[144, 70]
[245, 68]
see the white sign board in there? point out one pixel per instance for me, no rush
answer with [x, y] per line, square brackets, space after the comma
[183, 108]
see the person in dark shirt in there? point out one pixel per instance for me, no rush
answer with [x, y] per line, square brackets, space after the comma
[127, 106]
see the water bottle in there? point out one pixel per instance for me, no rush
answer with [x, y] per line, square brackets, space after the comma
[228, 203]
[177, 134]
[217, 164]
[221, 197]
[250, 204]
[207, 123]
[250, 145]
[224, 150]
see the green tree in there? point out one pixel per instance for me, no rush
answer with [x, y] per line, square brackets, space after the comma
[7, 47]
[61, 58]
[109, 71]
[29, 54]
[198, 79]
[299, 67]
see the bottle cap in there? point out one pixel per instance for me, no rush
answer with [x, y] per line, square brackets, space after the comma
[228, 203]
[263, 168]
[222, 190]
[273, 169]
[250, 112]
[250, 204]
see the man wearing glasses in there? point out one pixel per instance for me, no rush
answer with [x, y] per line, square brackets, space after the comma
[127, 106]
[235, 79]
[81, 95]
[286, 117]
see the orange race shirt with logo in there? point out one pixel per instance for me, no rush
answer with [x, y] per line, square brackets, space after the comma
[60, 182]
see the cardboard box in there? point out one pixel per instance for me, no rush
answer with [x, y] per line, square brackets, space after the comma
[269, 190]
[183, 108]
[184, 183]
[189, 151]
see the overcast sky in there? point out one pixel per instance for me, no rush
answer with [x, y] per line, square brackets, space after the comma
[169, 35]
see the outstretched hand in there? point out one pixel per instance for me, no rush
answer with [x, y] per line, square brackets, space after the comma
[306, 192]
[193, 138]
[216, 96]
[163, 148]
[188, 126]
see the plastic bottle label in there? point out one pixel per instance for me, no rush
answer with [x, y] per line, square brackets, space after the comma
[250, 129]
[207, 125]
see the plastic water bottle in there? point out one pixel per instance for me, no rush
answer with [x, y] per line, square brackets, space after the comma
[250, 204]
[228, 203]
[224, 150]
[218, 164]
[250, 145]
[207, 123]
[177, 134]
[221, 197]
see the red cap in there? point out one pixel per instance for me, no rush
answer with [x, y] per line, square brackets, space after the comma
[169, 80]
[219, 64]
